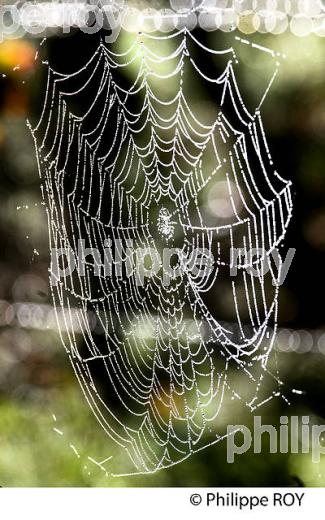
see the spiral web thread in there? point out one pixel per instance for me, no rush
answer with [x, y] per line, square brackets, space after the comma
[156, 366]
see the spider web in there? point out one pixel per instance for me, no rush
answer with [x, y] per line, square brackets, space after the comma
[125, 158]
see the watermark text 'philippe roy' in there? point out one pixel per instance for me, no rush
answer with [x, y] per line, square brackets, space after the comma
[122, 259]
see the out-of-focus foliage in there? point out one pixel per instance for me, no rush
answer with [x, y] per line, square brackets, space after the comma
[42, 410]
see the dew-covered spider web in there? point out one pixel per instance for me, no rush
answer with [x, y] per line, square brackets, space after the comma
[131, 154]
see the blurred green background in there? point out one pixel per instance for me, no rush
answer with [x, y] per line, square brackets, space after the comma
[43, 416]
